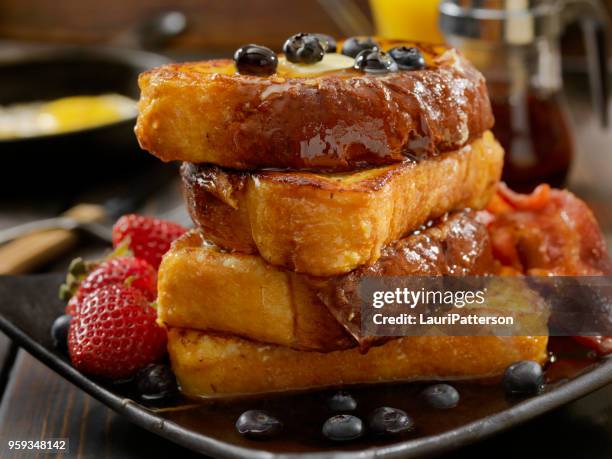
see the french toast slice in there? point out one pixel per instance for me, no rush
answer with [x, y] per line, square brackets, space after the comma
[208, 365]
[202, 287]
[329, 224]
[335, 120]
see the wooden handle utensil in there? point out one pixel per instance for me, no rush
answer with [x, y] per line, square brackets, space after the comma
[34, 250]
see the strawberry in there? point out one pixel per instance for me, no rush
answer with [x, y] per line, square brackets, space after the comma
[120, 270]
[115, 333]
[148, 238]
[138, 273]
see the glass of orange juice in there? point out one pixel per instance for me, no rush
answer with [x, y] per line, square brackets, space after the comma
[407, 19]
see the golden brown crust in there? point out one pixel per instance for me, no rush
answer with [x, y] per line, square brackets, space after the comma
[329, 224]
[201, 287]
[211, 366]
[205, 112]
[457, 245]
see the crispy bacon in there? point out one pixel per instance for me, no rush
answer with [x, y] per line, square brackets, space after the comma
[548, 233]
[602, 345]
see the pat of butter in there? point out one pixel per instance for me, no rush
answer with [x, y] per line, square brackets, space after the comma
[330, 62]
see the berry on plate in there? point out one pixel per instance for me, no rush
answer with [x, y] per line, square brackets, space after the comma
[59, 331]
[156, 381]
[258, 424]
[343, 427]
[341, 401]
[389, 421]
[441, 396]
[523, 378]
[120, 270]
[136, 272]
[115, 333]
[147, 237]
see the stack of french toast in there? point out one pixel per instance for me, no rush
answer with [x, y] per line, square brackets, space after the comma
[303, 182]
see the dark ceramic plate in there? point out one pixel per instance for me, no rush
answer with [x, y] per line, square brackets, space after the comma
[29, 304]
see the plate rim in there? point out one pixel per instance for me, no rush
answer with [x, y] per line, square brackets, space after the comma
[466, 434]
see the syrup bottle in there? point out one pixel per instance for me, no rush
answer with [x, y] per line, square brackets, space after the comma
[515, 43]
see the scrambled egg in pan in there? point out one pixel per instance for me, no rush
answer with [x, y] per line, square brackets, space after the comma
[63, 115]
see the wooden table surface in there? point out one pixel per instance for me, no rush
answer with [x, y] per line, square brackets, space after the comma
[38, 404]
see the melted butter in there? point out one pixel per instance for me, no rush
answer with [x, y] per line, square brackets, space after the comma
[330, 62]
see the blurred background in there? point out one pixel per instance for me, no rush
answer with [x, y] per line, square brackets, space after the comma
[215, 26]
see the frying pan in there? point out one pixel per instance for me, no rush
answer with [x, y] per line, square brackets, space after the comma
[47, 73]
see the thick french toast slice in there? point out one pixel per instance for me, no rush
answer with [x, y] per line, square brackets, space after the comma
[205, 112]
[329, 224]
[210, 365]
[202, 287]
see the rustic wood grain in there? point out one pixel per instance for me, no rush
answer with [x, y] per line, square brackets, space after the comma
[42, 405]
[7, 351]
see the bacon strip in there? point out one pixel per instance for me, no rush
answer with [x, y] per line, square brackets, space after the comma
[548, 233]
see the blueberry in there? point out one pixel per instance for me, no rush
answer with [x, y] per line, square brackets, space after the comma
[255, 60]
[441, 396]
[354, 45]
[258, 424]
[59, 331]
[156, 381]
[343, 427]
[389, 421]
[341, 401]
[328, 42]
[523, 378]
[374, 61]
[408, 58]
[304, 48]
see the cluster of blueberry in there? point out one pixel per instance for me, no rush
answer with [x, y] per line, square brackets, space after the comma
[520, 379]
[310, 48]
[383, 421]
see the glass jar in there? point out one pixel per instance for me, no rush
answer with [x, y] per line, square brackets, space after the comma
[515, 43]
